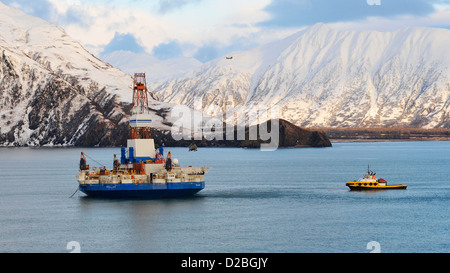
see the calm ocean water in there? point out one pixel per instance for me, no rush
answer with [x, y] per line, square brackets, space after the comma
[289, 200]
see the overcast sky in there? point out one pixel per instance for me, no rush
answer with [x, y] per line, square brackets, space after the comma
[207, 29]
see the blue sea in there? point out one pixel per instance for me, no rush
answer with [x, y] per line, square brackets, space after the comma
[283, 201]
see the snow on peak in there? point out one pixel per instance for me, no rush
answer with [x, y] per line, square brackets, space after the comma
[54, 92]
[325, 77]
[51, 47]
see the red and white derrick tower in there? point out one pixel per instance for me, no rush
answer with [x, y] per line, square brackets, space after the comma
[140, 121]
[140, 145]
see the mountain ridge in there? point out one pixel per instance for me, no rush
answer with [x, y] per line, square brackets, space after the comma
[55, 93]
[320, 77]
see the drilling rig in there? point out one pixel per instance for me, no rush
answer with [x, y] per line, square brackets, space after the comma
[142, 172]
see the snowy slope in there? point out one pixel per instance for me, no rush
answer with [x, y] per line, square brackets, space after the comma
[54, 92]
[53, 49]
[324, 77]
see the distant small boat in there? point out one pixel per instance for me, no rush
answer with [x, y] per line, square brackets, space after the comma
[370, 182]
[229, 58]
[192, 147]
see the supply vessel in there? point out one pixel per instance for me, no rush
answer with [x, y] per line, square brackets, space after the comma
[142, 171]
[370, 182]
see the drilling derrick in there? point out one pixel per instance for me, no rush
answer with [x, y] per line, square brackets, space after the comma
[140, 145]
[140, 121]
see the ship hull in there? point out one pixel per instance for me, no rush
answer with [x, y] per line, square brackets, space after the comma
[372, 188]
[147, 190]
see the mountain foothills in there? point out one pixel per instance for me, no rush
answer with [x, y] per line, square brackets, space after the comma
[54, 92]
[320, 77]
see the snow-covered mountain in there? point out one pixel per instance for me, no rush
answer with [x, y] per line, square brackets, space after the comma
[54, 92]
[156, 70]
[321, 77]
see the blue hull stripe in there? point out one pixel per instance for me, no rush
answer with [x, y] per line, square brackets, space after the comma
[143, 190]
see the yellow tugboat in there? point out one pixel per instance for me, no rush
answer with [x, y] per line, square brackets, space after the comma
[370, 182]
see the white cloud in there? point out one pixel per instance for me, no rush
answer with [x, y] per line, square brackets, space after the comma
[196, 23]
[440, 18]
[193, 24]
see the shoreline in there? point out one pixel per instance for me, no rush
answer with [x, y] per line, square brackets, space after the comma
[291, 136]
[385, 134]
[386, 140]
[281, 147]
